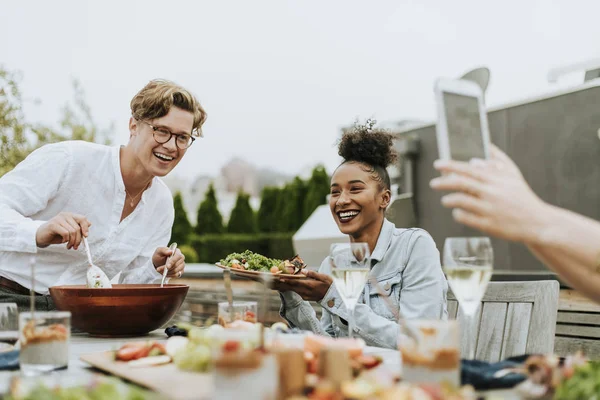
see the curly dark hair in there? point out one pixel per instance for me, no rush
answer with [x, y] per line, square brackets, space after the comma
[371, 147]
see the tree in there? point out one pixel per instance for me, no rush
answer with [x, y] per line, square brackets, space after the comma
[14, 145]
[209, 218]
[242, 219]
[182, 229]
[318, 189]
[18, 137]
[78, 122]
[293, 205]
[279, 223]
[266, 211]
[282, 210]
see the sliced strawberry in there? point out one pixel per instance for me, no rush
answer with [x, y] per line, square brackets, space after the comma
[158, 346]
[369, 362]
[129, 353]
[144, 351]
[231, 346]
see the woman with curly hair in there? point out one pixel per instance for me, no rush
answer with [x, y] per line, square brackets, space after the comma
[405, 262]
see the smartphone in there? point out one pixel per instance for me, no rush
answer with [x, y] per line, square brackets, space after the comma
[462, 125]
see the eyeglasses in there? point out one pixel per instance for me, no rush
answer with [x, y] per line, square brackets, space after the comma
[163, 135]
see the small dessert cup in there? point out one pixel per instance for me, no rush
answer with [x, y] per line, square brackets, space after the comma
[242, 311]
[44, 340]
[430, 351]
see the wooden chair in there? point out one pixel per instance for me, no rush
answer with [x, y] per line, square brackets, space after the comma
[515, 318]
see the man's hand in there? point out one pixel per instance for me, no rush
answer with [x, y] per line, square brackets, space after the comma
[312, 288]
[66, 227]
[175, 265]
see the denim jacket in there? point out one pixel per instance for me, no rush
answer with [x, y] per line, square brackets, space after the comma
[406, 264]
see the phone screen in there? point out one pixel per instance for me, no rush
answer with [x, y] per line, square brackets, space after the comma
[464, 127]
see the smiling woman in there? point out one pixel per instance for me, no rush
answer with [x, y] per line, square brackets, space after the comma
[360, 186]
[405, 262]
[112, 195]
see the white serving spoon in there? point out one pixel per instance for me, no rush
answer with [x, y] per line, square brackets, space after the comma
[172, 247]
[96, 278]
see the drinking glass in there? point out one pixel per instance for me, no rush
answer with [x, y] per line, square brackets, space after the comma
[9, 326]
[44, 339]
[242, 310]
[350, 266]
[430, 351]
[468, 264]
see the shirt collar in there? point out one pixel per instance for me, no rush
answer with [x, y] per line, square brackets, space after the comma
[383, 241]
[116, 158]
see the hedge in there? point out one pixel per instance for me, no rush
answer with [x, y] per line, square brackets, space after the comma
[214, 247]
[190, 254]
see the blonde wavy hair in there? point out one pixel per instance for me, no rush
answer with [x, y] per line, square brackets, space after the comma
[159, 95]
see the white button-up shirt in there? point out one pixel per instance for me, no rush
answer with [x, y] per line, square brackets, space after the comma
[82, 178]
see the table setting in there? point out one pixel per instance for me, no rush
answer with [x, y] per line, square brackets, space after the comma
[127, 350]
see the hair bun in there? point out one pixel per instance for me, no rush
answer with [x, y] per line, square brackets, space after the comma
[366, 144]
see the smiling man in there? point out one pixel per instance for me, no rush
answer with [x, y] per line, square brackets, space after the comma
[112, 195]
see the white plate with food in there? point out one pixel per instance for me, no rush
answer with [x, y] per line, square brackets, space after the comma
[254, 265]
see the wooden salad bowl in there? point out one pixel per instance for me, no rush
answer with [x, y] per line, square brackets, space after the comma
[123, 310]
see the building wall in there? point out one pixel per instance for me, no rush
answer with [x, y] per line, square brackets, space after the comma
[554, 141]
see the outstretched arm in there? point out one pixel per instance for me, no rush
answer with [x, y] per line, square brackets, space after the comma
[492, 196]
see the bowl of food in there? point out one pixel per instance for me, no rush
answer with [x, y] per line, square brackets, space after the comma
[123, 310]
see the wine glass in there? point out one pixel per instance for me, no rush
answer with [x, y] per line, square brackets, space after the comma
[350, 266]
[468, 264]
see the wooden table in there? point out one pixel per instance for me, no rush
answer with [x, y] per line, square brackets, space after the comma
[81, 344]
[80, 371]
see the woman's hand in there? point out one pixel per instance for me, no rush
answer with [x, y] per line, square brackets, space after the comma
[491, 196]
[175, 265]
[66, 227]
[312, 288]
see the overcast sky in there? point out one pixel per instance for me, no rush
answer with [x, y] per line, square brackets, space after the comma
[279, 78]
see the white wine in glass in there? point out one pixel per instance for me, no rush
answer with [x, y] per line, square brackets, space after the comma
[468, 264]
[350, 266]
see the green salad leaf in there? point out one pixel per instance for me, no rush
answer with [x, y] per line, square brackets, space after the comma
[252, 261]
[107, 389]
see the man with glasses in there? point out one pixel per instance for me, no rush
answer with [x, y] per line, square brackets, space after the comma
[65, 191]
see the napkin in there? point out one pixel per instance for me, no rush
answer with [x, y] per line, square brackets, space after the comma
[175, 331]
[480, 374]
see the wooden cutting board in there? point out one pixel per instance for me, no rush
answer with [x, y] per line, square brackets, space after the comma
[167, 379]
